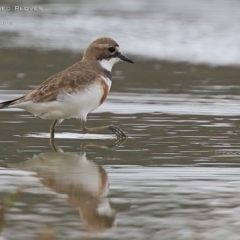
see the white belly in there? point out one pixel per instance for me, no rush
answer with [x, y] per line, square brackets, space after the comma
[75, 105]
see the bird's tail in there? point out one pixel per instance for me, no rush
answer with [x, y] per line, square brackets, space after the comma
[9, 103]
[6, 104]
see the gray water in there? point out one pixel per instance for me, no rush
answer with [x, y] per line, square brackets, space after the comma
[176, 176]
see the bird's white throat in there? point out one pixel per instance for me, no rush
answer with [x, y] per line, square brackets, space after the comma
[107, 64]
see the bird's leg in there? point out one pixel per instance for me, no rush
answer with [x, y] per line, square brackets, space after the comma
[52, 130]
[116, 130]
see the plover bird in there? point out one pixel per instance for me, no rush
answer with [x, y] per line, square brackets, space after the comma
[77, 90]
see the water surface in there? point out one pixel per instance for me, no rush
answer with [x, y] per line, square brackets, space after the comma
[175, 177]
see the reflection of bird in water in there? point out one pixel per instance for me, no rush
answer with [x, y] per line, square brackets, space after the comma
[84, 181]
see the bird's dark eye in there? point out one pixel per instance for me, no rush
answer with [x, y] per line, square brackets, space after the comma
[111, 49]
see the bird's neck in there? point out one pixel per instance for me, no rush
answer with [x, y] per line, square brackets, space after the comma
[99, 66]
[107, 64]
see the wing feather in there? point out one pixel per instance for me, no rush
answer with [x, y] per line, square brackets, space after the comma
[68, 82]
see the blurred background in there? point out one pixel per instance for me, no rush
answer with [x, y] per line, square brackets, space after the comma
[196, 31]
[177, 175]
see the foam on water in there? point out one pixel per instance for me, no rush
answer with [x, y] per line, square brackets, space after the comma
[189, 30]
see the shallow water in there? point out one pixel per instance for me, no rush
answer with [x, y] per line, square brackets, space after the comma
[175, 177]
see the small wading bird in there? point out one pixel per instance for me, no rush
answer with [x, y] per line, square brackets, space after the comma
[77, 90]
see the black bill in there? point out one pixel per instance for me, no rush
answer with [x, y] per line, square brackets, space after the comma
[124, 58]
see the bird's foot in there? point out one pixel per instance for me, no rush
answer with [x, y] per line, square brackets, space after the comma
[117, 131]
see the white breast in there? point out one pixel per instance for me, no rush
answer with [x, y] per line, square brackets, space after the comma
[107, 81]
[75, 105]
